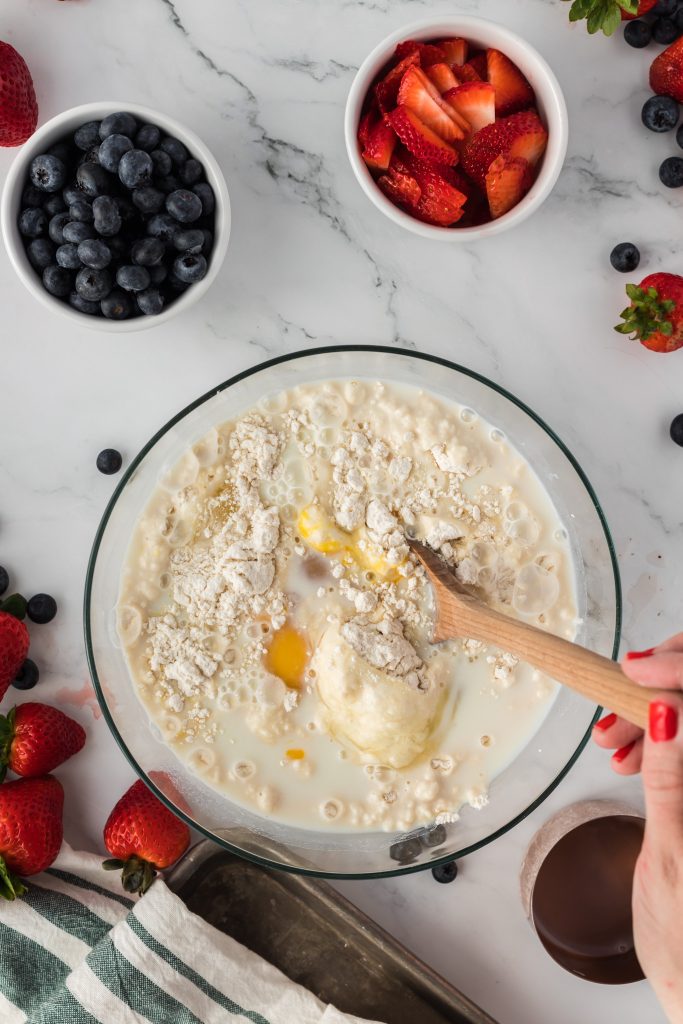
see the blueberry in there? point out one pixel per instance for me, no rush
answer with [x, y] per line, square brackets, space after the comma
[671, 172]
[445, 873]
[54, 204]
[120, 123]
[117, 246]
[147, 252]
[118, 305]
[665, 8]
[109, 461]
[48, 173]
[148, 199]
[93, 180]
[175, 283]
[41, 253]
[111, 151]
[167, 183]
[191, 172]
[81, 209]
[127, 211]
[88, 135]
[76, 231]
[162, 162]
[27, 676]
[164, 227]
[660, 114]
[93, 285]
[435, 836]
[132, 279]
[679, 19]
[107, 216]
[184, 205]
[205, 193]
[32, 222]
[191, 268]
[637, 33]
[56, 227]
[67, 256]
[158, 273]
[189, 240]
[57, 281]
[41, 609]
[135, 168]
[208, 241]
[94, 253]
[148, 138]
[665, 31]
[625, 257]
[83, 306]
[676, 432]
[405, 851]
[71, 194]
[150, 302]
[63, 152]
[32, 196]
[91, 156]
[4, 580]
[175, 149]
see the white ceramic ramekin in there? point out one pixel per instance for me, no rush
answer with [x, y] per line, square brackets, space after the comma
[480, 34]
[55, 130]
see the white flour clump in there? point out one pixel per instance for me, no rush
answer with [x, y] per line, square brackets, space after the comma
[179, 657]
[384, 646]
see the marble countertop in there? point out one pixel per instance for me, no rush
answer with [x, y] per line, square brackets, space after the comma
[311, 262]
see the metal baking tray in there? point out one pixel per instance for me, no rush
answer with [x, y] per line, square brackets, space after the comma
[317, 938]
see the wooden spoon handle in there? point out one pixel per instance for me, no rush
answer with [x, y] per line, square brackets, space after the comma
[590, 674]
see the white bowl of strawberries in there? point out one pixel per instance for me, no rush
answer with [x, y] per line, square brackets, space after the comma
[456, 129]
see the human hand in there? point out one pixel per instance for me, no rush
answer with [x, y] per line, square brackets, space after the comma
[658, 752]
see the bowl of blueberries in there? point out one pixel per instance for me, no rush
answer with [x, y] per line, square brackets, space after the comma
[116, 216]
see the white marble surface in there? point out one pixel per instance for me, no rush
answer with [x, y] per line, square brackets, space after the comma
[312, 262]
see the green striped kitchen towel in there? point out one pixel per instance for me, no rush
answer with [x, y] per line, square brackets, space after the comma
[77, 950]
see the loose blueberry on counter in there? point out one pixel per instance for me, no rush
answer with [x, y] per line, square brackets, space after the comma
[671, 172]
[191, 268]
[57, 281]
[77, 302]
[88, 135]
[109, 461]
[41, 609]
[93, 180]
[665, 31]
[4, 580]
[41, 253]
[135, 168]
[120, 123]
[676, 432]
[77, 231]
[637, 33]
[148, 138]
[112, 149]
[660, 113]
[32, 222]
[48, 173]
[435, 836]
[147, 252]
[133, 278]
[405, 851]
[175, 149]
[150, 302]
[94, 253]
[664, 8]
[67, 256]
[81, 209]
[117, 306]
[445, 873]
[625, 257]
[28, 676]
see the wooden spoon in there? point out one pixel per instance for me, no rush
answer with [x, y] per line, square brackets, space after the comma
[459, 614]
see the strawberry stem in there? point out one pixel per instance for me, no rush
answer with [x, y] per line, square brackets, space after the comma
[137, 874]
[14, 605]
[601, 15]
[10, 886]
[647, 314]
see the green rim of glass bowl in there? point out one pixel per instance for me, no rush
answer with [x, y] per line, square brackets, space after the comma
[410, 869]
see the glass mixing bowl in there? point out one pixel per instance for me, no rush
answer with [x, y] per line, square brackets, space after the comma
[515, 792]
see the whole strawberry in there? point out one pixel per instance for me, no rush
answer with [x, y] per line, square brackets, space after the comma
[30, 830]
[13, 640]
[142, 835]
[18, 104]
[666, 72]
[655, 316]
[35, 738]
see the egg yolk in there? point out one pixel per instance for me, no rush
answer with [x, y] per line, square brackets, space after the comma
[295, 755]
[287, 656]
[325, 536]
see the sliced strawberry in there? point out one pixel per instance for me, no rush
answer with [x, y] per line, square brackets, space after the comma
[441, 76]
[417, 93]
[479, 63]
[476, 101]
[400, 188]
[429, 53]
[467, 74]
[455, 51]
[520, 135]
[508, 181]
[513, 92]
[367, 122]
[380, 145]
[441, 199]
[386, 90]
[419, 137]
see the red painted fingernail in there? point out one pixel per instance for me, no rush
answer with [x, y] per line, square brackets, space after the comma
[623, 752]
[634, 655]
[663, 721]
[606, 723]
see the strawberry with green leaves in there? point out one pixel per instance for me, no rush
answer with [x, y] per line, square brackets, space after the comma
[606, 15]
[655, 315]
[13, 640]
[35, 738]
[30, 830]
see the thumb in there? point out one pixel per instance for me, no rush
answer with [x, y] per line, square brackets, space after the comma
[663, 770]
